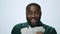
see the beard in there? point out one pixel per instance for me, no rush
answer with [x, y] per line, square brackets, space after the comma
[35, 20]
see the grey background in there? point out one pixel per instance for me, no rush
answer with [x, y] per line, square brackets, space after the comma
[12, 12]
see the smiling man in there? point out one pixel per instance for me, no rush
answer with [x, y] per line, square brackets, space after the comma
[33, 24]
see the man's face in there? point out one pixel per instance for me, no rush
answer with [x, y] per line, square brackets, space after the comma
[33, 15]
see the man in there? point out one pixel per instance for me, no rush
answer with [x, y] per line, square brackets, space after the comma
[33, 24]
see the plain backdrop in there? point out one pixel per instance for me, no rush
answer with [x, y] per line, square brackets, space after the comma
[12, 12]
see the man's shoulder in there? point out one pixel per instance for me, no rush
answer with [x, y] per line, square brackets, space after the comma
[16, 29]
[21, 25]
[49, 28]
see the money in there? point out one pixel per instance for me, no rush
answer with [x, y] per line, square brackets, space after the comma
[32, 30]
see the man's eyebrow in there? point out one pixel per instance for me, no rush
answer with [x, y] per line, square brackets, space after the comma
[28, 11]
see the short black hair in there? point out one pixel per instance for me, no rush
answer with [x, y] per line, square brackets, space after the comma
[34, 4]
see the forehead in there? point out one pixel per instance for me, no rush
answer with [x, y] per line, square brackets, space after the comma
[33, 8]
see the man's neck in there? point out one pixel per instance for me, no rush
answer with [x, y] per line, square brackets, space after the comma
[37, 25]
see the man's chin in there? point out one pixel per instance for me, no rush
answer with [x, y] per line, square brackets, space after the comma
[33, 24]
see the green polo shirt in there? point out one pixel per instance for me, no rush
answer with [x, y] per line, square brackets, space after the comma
[17, 28]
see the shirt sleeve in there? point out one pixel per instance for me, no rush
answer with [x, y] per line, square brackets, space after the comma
[15, 30]
[53, 31]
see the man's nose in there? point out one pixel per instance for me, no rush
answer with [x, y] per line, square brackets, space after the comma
[33, 15]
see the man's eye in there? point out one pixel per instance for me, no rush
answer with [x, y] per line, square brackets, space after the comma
[36, 12]
[29, 12]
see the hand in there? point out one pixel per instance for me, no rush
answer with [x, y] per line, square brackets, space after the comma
[39, 33]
